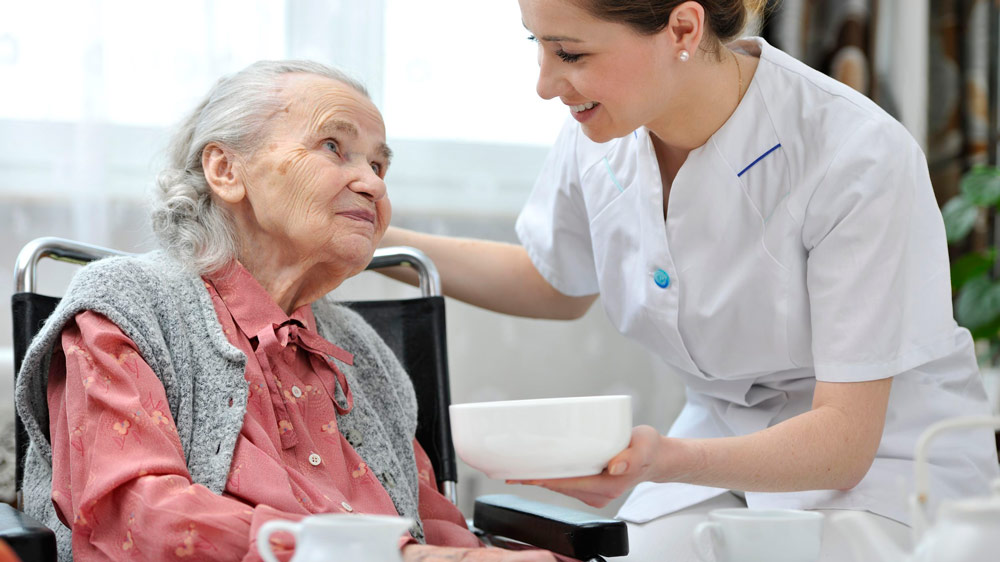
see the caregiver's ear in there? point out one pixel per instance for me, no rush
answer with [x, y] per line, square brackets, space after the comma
[221, 172]
[687, 25]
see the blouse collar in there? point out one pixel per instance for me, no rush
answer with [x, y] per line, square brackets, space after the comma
[251, 306]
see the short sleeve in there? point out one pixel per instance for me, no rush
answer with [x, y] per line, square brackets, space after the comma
[877, 270]
[553, 225]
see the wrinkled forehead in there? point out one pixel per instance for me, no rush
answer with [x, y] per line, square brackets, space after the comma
[308, 102]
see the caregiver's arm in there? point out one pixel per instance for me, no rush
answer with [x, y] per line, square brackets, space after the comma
[832, 446]
[492, 275]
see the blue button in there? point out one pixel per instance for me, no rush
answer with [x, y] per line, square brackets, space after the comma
[661, 278]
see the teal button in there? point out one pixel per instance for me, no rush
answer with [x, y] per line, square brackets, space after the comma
[661, 279]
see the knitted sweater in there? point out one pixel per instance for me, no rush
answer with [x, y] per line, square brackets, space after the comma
[167, 312]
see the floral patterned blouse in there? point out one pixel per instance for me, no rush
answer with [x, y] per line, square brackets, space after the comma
[120, 480]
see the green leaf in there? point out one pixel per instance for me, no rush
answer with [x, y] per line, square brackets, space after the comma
[981, 185]
[978, 306]
[987, 332]
[959, 217]
[971, 265]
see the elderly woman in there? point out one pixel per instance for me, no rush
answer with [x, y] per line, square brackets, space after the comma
[196, 392]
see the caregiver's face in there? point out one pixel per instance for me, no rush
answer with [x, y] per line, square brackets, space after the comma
[602, 71]
[316, 186]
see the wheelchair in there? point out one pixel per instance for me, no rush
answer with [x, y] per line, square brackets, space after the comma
[415, 331]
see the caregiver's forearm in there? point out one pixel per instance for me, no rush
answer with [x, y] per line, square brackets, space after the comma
[809, 452]
[831, 446]
[492, 275]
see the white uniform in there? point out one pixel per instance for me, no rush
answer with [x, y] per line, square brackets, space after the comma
[802, 243]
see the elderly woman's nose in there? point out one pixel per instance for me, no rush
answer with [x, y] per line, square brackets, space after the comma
[368, 183]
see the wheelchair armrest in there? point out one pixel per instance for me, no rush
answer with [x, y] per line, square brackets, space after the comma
[28, 538]
[561, 530]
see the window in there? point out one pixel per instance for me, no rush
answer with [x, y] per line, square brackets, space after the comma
[92, 86]
[96, 89]
[463, 71]
[123, 62]
[460, 106]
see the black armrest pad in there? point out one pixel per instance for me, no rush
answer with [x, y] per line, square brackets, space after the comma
[562, 530]
[28, 538]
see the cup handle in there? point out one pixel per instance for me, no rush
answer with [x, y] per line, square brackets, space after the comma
[268, 529]
[704, 536]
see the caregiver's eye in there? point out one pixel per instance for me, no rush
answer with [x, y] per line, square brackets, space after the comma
[567, 56]
[377, 168]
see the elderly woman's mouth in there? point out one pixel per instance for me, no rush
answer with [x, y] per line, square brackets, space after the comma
[359, 215]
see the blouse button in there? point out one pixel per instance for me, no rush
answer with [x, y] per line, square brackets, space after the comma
[296, 392]
[347, 507]
[661, 279]
[315, 459]
[354, 438]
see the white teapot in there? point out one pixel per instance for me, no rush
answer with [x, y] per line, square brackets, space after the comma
[338, 536]
[964, 530]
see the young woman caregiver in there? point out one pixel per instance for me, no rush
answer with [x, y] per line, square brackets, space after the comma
[772, 236]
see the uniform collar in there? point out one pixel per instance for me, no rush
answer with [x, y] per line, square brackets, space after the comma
[251, 307]
[749, 136]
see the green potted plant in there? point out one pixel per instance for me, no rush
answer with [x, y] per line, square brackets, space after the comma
[975, 277]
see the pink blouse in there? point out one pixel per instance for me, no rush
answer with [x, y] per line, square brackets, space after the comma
[120, 480]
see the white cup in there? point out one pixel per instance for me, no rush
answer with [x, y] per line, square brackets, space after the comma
[759, 535]
[338, 536]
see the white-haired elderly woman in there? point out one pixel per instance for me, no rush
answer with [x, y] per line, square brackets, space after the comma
[193, 393]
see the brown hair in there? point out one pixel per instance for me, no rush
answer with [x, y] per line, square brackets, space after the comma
[724, 18]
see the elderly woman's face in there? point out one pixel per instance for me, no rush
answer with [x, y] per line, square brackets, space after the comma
[315, 188]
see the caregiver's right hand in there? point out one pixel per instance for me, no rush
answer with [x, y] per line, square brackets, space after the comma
[428, 553]
[637, 463]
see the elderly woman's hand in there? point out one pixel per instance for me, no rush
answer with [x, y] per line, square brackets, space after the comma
[427, 553]
[640, 462]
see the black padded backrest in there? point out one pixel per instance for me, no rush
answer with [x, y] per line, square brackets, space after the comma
[29, 311]
[415, 331]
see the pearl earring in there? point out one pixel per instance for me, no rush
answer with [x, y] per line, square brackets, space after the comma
[684, 56]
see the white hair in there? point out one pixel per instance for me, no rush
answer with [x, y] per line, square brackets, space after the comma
[187, 222]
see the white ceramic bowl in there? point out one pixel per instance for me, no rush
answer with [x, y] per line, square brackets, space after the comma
[543, 438]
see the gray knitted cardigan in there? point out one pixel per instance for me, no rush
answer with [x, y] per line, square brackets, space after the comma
[168, 313]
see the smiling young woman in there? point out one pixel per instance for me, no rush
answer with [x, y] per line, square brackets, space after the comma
[772, 236]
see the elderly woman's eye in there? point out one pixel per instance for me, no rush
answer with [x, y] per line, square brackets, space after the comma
[332, 145]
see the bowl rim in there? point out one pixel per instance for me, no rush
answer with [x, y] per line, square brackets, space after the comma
[565, 400]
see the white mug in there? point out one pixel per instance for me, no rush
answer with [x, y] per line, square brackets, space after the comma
[338, 536]
[759, 535]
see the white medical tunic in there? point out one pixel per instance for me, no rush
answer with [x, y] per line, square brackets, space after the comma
[802, 243]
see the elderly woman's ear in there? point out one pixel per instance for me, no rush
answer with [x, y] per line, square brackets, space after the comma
[220, 166]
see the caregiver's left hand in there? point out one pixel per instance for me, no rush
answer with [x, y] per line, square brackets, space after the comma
[635, 464]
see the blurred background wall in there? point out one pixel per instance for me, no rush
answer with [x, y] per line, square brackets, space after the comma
[91, 89]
